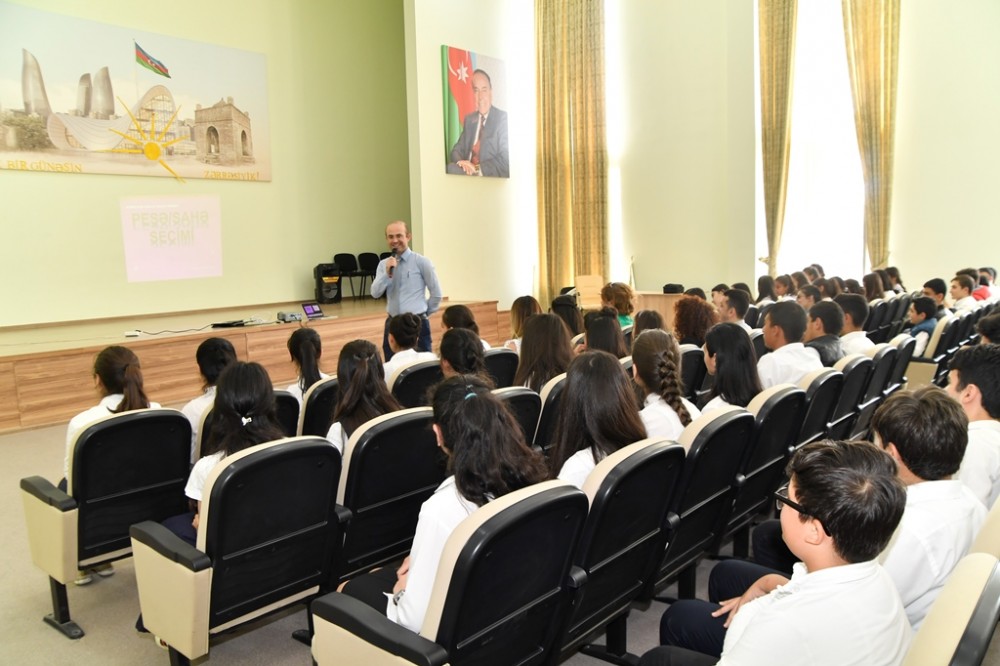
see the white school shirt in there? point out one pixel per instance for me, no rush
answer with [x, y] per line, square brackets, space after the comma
[856, 342]
[848, 615]
[578, 467]
[194, 410]
[297, 391]
[199, 474]
[405, 357]
[660, 418]
[980, 468]
[787, 365]
[79, 423]
[337, 437]
[939, 524]
[966, 304]
[718, 402]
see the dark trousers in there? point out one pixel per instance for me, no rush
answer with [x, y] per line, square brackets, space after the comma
[675, 656]
[423, 339]
[769, 549]
[689, 624]
[372, 587]
[182, 527]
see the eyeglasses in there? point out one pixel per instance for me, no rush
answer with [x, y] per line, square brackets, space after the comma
[781, 497]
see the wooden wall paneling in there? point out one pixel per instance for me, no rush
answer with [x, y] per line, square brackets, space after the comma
[56, 386]
[10, 416]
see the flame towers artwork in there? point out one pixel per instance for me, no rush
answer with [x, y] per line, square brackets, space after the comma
[128, 102]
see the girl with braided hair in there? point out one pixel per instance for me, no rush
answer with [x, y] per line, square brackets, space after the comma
[598, 416]
[462, 354]
[363, 394]
[656, 365]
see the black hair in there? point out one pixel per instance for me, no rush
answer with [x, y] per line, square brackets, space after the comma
[790, 318]
[464, 352]
[965, 282]
[721, 288]
[487, 452]
[811, 272]
[893, 274]
[786, 282]
[739, 301]
[405, 329]
[459, 316]
[989, 328]
[213, 355]
[363, 393]
[565, 307]
[604, 333]
[800, 279]
[936, 285]
[545, 351]
[118, 369]
[305, 347]
[765, 288]
[928, 428]
[736, 378]
[645, 320]
[244, 412]
[855, 305]
[852, 489]
[924, 305]
[852, 286]
[830, 314]
[696, 291]
[812, 292]
[980, 366]
[743, 286]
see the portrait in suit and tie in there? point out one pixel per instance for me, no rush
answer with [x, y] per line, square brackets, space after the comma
[481, 147]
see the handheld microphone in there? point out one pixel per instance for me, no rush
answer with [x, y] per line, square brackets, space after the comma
[392, 268]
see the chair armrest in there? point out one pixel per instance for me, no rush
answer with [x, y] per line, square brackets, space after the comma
[344, 515]
[169, 545]
[348, 631]
[576, 578]
[50, 516]
[44, 490]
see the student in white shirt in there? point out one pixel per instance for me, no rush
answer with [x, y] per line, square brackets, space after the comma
[789, 360]
[363, 395]
[598, 415]
[656, 367]
[853, 338]
[545, 351]
[404, 329]
[734, 308]
[213, 356]
[306, 348]
[118, 379]
[460, 316]
[974, 381]
[730, 358]
[487, 458]
[961, 293]
[522, 308]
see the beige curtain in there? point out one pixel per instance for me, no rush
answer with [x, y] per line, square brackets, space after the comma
[572, 150]
[777, 56]
[871, 30]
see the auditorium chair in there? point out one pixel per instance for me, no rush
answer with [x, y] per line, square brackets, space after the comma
[627, 334]
[716, 443]
[757, 340]
[551, 396]
[623, 539]
[269, 531]
[411, 384]
[857, 370]
[501, 363]
[822, 389]
[752, 317]
[287, 408]
[778, 413]
[367, 266]
[391, 465]
[525, 405]
[904, 344]
[901, 318]
[878, 314]
[205, 425]
[348, 265]
[693, 370]
[318, 404]
[961, 623]
[761, 313]
[883, 360]
[500, 593]
[123, 469]
[928, 368]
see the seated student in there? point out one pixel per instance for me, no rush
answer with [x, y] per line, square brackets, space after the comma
[812, 273]
[961, 294]
[935, 289]
[980, 289]
[545, 351]
[765, 290]
[362, 394]
[784, 288]
[974, 381]
[873, 287]
[992, 281]
[646, 320]
[799, 280]
[852, 286]
[840, 607]
[826, 320]
[719, 294]
[734, 308]
[404, 331]
[730, 358]
[619, 296]
[118, 380]
[522, 308]
[213, 356]
[305, 347]
[743, 286]
[697, 292]
[921, 314]
[460, 316]
[789, 360]
[829, 288]
[888, 292]
[598, 416]
[692, 319]
[896, 279]
[565, 307]
[244, 416]
[487, 458]
[853, 338]
[808, 296]
[989, 329]
[461, 354]
[656, 367]
[604, 333]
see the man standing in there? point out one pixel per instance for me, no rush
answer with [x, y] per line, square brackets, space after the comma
[481, 150]
[410, 284]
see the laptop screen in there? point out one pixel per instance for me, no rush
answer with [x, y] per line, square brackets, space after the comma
[312, 310]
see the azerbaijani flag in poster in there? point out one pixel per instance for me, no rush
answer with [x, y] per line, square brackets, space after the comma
[459, 102]
[149, 62]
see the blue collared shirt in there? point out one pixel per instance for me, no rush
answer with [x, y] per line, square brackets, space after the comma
[405, 290]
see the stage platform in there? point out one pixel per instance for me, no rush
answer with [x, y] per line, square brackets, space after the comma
[46, 370]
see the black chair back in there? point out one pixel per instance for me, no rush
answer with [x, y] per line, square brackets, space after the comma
[412, 385]
[897, 377]
[318, 404]
[752, 317]
[822, 392]
[757, 340]
[693, 370]
[882, 365]
[501, 363]
[857, 372]
[525, 405]
[126, 469]
[551, 396]
[368, 263]
[287, 407]
[271, 525]
[347, 263]
[391, 465]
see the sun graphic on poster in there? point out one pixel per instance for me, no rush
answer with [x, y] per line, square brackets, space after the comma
[150, 144]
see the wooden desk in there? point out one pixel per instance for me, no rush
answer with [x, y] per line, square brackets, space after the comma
[662, 303]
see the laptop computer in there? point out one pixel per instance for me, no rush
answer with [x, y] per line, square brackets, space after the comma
[312, 310]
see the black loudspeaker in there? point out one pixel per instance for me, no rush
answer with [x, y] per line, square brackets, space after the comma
[327, 277]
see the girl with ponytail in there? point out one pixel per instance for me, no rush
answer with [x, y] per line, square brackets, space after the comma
[404, 330]
[363, 394]
[213, 356]
[656, 365]
[305, 348]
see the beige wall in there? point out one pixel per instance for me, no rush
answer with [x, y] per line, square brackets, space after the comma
[946, 206]
[479, 232]
[688, 164]
[337, 102]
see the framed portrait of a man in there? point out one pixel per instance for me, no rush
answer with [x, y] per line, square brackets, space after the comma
[475, 123]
